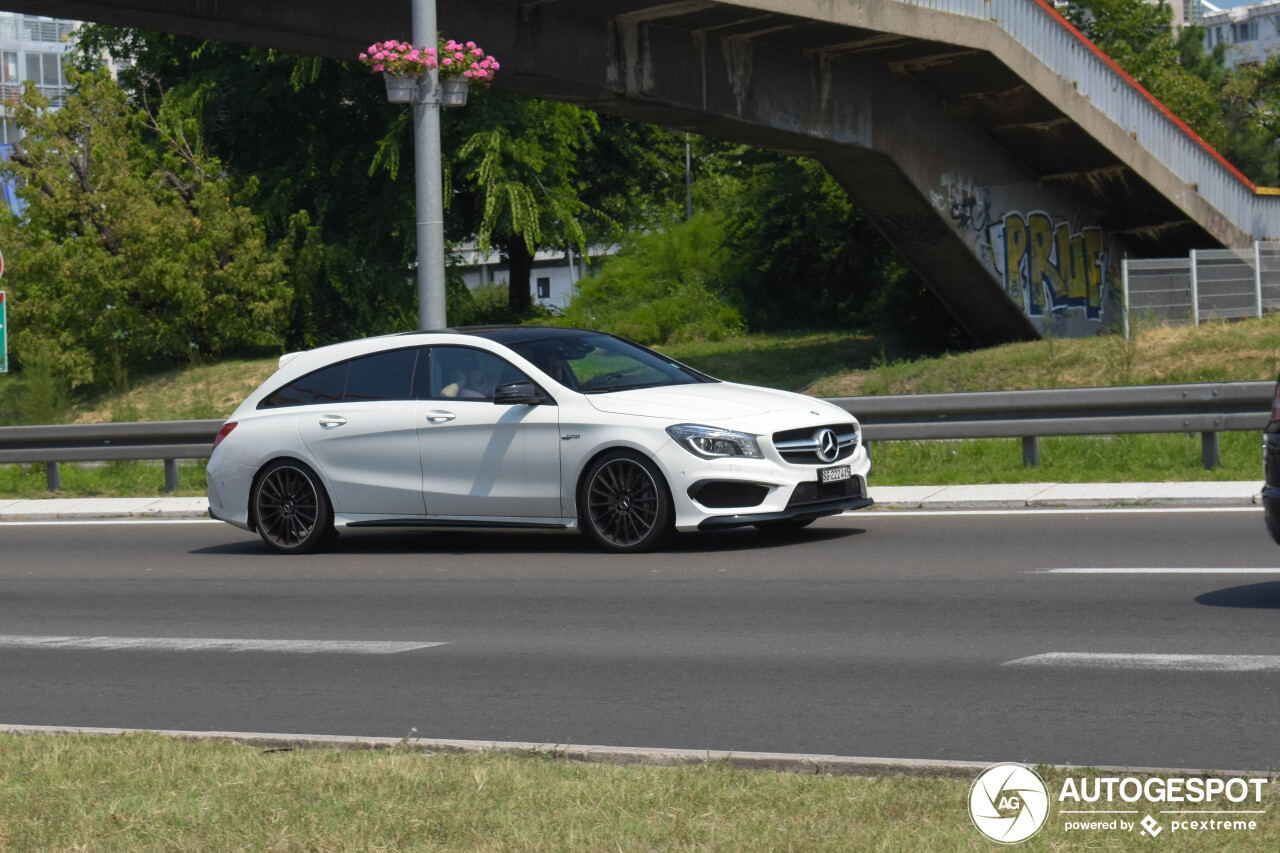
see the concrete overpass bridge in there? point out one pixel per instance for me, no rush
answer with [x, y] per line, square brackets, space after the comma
[1010, 162]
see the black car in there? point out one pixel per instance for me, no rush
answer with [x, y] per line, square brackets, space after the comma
[1271, 467]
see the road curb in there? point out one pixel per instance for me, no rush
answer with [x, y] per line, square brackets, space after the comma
[800, 763]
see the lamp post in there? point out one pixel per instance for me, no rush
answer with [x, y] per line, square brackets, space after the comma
[428, 182]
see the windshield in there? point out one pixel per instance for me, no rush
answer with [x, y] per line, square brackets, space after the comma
[594, 363]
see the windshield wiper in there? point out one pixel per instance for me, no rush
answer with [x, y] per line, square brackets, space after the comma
[633, 387]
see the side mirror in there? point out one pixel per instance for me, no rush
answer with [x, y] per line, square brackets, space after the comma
[522, 393]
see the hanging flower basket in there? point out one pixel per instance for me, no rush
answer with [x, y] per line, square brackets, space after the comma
[457, 65]
[401, 90]
[453, 93]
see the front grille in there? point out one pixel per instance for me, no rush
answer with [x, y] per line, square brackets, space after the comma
[815, 493]
[800, 446]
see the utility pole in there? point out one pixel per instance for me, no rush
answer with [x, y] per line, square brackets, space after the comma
[428, 180]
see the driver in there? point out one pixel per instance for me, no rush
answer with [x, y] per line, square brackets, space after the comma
[554, 365]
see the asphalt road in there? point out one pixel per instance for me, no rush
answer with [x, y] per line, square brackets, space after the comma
[886, 634]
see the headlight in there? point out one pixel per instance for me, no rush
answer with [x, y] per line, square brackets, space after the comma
[713, 443]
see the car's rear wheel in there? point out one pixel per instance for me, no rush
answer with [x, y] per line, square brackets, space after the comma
[624, 504]
[292, 511]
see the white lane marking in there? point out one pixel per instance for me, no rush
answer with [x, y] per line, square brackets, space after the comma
[1177, 663]
[902, 513]
[1154, 570]
[98, 521]
[202, 644]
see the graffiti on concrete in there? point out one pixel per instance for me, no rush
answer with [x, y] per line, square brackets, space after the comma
[1053, 266]
[1047, 266]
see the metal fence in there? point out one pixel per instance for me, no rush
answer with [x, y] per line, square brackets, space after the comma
[1210, 284]
[1205, 408]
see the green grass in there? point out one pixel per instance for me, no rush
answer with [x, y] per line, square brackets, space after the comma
[109, 480]
[1214, 352]
[1173, 457]
[151, 793]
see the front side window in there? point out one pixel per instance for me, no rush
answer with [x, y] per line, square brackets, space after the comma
[462, 373]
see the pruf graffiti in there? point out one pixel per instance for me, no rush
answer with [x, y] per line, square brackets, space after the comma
[1051, 266]
[1046, 266]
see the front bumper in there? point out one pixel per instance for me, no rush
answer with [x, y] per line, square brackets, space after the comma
[806, 503]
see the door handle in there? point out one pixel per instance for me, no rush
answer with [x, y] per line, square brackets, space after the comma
[332, 421]
[438, 417]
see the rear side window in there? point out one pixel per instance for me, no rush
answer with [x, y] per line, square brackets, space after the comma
[316, 388]
[381, 376]
[384, 376]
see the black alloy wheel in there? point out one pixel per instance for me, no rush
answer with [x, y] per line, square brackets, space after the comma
[624, 503]
[292, 510]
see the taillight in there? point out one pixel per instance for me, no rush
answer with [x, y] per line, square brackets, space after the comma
[223, 433]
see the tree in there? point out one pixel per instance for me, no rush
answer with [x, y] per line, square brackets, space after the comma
[1231, 109]
[135, 248]
[803, 257]
[307, 131]
[515, 179]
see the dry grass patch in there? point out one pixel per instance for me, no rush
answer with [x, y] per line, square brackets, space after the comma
[205, 391]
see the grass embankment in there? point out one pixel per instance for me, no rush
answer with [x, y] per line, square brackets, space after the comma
[146, 792]
[822, 364]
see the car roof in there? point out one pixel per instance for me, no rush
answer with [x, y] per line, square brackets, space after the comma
[520, 334]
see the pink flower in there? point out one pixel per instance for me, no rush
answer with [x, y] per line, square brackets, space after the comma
[364, 56]
[446, 61]
[477, 52]
[378, 67]
[471, 44]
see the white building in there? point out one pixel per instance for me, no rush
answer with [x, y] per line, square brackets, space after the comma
[32, 48]
[554, 278]
[1251, 33]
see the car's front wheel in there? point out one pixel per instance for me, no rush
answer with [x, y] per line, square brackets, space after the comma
[291, 508]
[624, 505]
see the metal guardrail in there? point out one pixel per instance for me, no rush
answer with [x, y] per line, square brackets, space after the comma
[1206, 408]
[167, 440]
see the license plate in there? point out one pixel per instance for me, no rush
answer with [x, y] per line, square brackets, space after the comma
[832, 475]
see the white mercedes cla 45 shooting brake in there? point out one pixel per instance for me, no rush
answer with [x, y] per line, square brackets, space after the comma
[524, 427]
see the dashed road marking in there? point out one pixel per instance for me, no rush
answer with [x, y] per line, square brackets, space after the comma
[1155, 570]
[204, 644]
[1176, 663]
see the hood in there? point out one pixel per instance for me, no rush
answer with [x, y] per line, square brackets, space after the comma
[714, 402]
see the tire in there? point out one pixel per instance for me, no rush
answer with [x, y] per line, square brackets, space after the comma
[624, 504]
[784, 527]
[291, 509]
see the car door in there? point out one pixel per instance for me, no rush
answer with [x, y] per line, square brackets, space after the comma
[479, 459]
[364, 436]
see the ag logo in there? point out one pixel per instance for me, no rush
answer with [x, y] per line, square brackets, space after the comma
[1008, 803]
